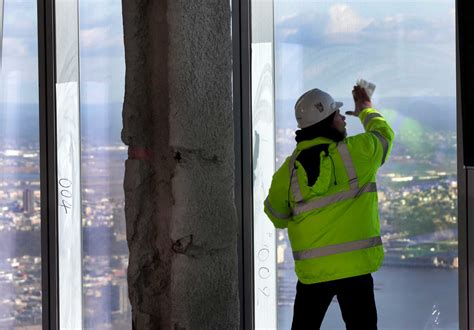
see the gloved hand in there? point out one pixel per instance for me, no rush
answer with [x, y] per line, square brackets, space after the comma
[361, 101]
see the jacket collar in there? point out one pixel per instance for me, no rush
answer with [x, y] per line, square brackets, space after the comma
[311, 143]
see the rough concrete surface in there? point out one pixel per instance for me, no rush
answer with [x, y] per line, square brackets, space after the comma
[179, 179]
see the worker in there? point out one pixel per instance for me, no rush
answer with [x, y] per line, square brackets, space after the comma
[325, 194]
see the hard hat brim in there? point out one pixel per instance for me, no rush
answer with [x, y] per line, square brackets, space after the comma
[337, 105]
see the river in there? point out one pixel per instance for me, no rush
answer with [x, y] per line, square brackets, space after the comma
[406, 298]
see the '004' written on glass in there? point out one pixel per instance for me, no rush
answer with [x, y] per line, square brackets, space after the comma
[65, 194]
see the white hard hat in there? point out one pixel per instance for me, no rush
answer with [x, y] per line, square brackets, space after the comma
[314, 106]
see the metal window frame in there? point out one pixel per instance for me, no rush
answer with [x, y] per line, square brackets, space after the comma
[48, 164]
[48, 159]
[241, 20]
[61, 239]
[465, 158]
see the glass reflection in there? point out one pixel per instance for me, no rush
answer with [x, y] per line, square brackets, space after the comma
[105, 252]
[20, 221]
[408, 50]
[1, 31]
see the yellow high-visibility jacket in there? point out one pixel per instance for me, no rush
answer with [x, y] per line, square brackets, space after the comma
[333, 226]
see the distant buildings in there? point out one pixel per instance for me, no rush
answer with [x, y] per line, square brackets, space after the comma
[28, 201]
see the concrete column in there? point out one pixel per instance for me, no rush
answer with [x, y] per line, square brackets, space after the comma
[179, 178]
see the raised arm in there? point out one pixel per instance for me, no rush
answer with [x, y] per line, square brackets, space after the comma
[374, 124]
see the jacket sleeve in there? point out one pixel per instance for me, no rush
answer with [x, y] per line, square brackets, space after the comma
[378, 136]
[276, 205]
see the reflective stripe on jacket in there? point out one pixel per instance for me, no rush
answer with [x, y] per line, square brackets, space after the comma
[333, 226]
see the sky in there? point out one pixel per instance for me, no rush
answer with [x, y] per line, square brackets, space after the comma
[407, 48]
[101, 52]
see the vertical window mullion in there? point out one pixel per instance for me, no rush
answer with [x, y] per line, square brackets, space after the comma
[243, 144]
[49, 248]
[58, 33]
[465, 66]
[68, 163]
[263, 135]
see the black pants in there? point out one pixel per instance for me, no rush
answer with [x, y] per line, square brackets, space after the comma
[354, 294]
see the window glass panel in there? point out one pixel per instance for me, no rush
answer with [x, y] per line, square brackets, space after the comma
[105, 252]
[1, 30]
[408, 50]
[263, 138]
[20, 221]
